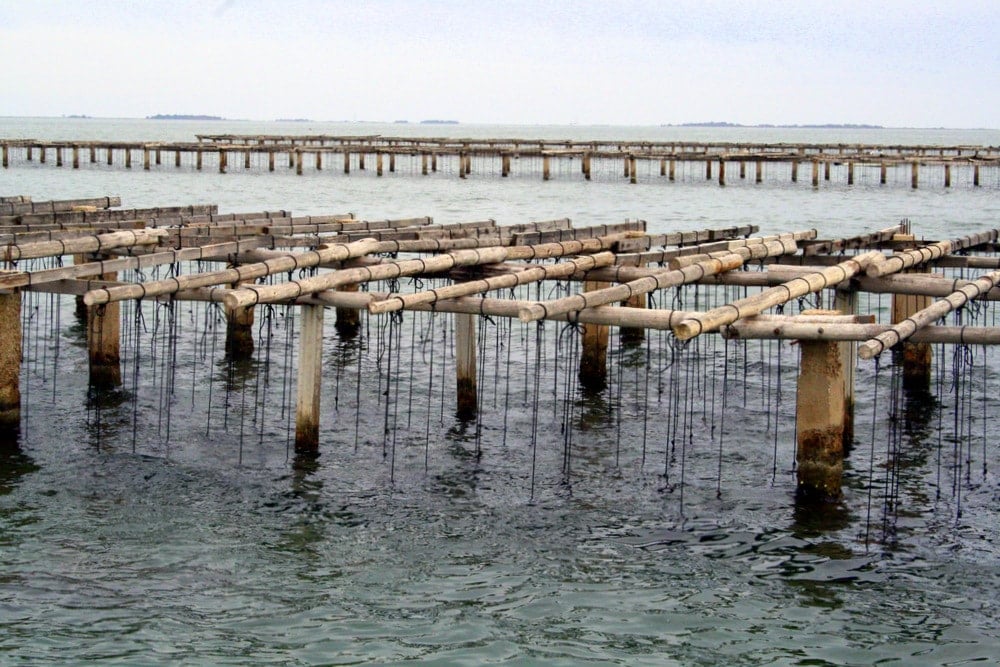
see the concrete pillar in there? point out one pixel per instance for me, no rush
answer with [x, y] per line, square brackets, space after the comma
[197, 159]
[634, 334]
[586, 166]
[59, 156]
[319, 161]
[846, 302]
[914, 174]
[10, 360]
[239, 333]
[348, 319]
[708, 170]
[850, 173]
[6, 156]
[434, 162]
[378, 164]
[310, 376]
[158, 156]
[298, 163]
[826, 171]
[76, 157]
[795, 171]
[270, 160]
[504, 165]
[465, 365]
[545, 168]
[820, 419]
[246, 159]
[29, 152]
[882, 172]
[177, 158]
[392, 163]
[594, 353]
[128, 158]
[632, 176]
[916, 357]
[347, 162]
[947, 176]
[145, 159]
[663, 166]
[361, 161]
[743, 169]
[109, 154]
[722, 171]
[672, 171]
[975, 175]
[759, 172]
[104, 342]
[423, 163]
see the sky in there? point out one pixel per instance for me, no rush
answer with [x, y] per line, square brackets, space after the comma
[634, 62]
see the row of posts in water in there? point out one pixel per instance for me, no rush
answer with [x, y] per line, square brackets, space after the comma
[460, 160]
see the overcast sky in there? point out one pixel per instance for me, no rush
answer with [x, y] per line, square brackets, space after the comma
[636, 62]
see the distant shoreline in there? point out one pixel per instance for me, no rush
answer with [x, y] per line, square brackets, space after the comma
[817, 126]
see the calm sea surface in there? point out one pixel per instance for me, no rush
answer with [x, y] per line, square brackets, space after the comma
[651, 523]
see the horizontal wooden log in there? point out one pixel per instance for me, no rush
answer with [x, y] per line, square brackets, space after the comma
[774, 296]
[669, 278]
[905, 329]
[96, 243]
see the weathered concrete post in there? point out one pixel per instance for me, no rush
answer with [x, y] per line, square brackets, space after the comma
[378, 164]
[820, 418]
[850, 173]
[270, 160]
[59, 153]
[246, 159]
[392, 163]
[975, 175]
[826, 170]
[465, 365]
[545, 168]
[594, 353]
[197, 159]
[586, 166]
[632, 171]
[722, 171]
[177, 158]
[947, 176]
[104, 342]
[434, 162]
[708, 170]
[347, 162]
[6, 156]
[361, 161]
[672, 170]
[743, 169]
[10, 359]
[310, 377]
[423, 164]
[319, 160]
[759, 172]
[158, 154]
[846, 302]
[348, 319]
[239, 332]
[128, 158]
[76, 156]
[914, 174]
[815, 173]
[916, 356]
[795, 171]
[145, 158]
[634, 334]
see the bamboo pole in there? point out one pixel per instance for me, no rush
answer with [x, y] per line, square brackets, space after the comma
[238, 274]
[529, 274]
[799, 286]
[10, 360]
[905, 329]
[395, 269]
[93, 243]
[465, 366]
[754, 329]
[660, 280]
[310, 379]
[909, 258]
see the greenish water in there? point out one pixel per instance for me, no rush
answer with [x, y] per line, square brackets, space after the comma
[138, 534]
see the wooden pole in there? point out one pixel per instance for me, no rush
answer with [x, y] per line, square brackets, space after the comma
[465, 365]
[663, 166]
[708, 170]
[800, 286]
[819, 425]
[434, 162]
[310, 381]
[594, 353]
[361, 161]
[10, 360]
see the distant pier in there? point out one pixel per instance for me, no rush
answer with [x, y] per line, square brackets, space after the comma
[632, 161]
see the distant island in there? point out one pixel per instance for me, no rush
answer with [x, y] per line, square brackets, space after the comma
[818, 126]
[294, 120]
[77, 115]
[439, 122]
[183, 116]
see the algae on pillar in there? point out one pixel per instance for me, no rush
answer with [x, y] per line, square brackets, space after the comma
[10, 360]
[820, 410]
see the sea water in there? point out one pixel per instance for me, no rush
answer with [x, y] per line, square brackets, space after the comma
[198, 537]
